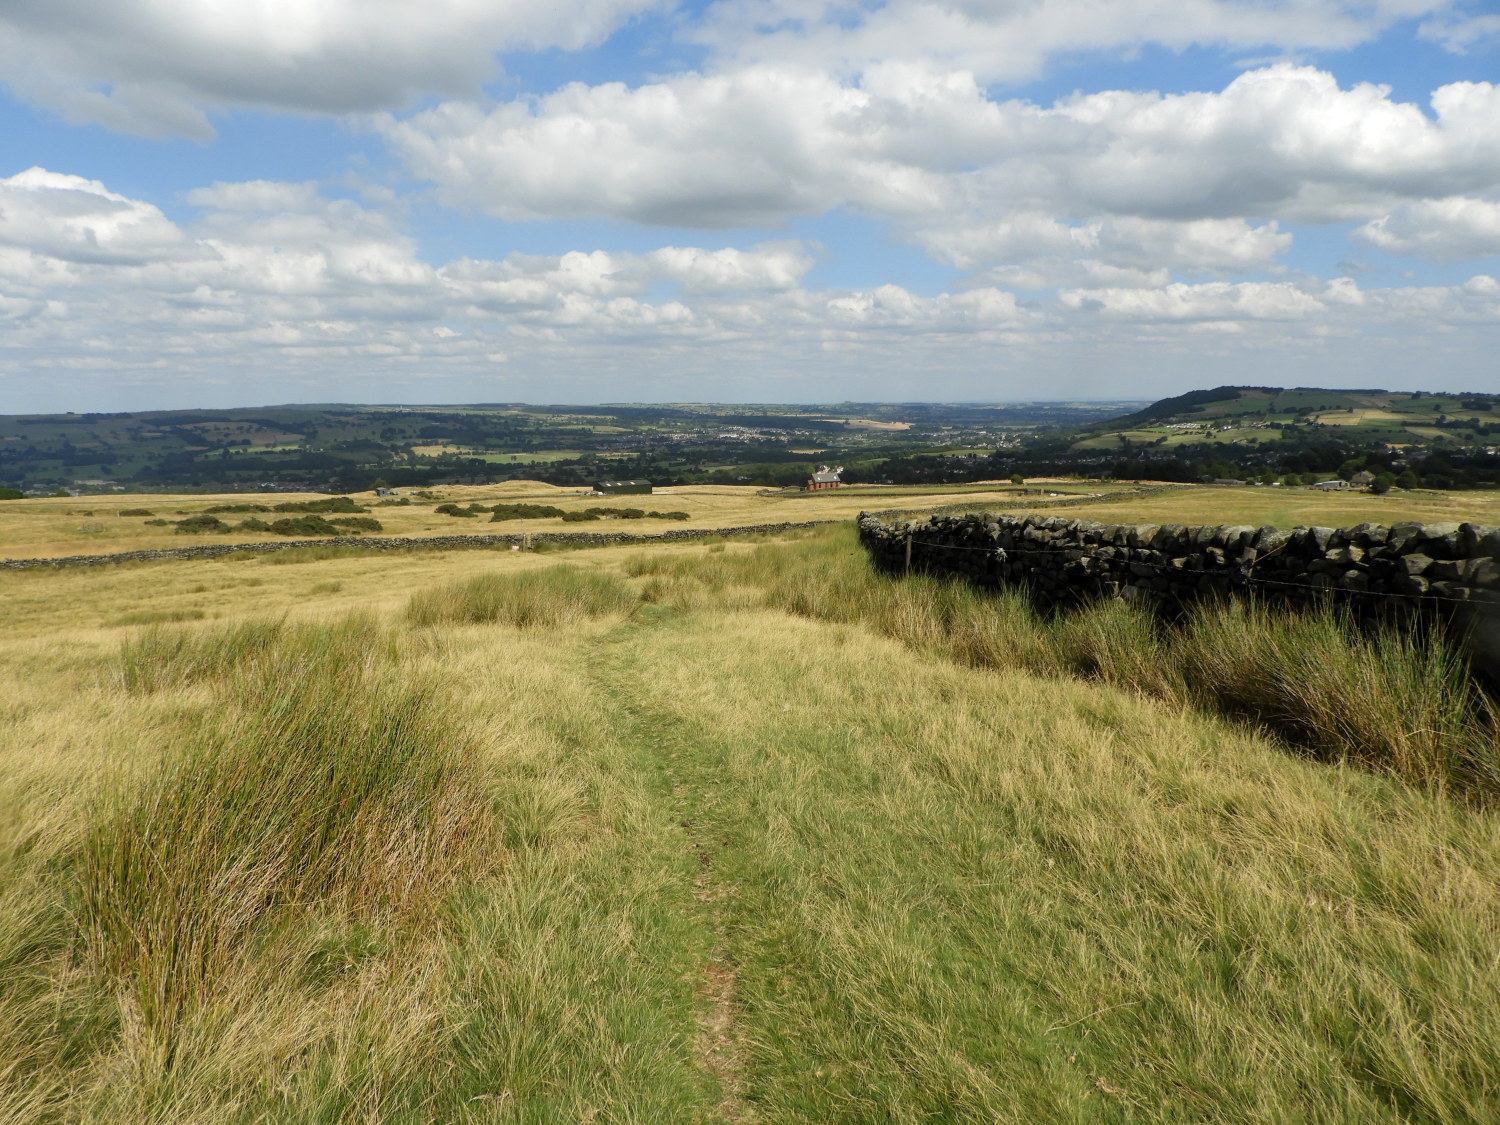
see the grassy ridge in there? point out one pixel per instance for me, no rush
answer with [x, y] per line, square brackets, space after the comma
[731, 833]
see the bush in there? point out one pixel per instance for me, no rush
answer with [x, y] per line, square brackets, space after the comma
[12, 494]
[579, 517]
[503, 512]
[332, 504]
[668, 515]
[139, 512]
[160, 523]
[252, 524]
[403, 502]
[310, 526]
[471, 512]
[358, 523]
[202, 524]
[238, 508]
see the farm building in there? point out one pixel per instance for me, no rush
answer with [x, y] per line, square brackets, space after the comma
[825, 478]
[623, 487]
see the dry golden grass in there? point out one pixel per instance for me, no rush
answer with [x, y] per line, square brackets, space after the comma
[1293, 507]
[898, 887]
[48, 528]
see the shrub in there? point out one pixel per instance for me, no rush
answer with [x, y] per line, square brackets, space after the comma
[332, 504]
[312, 526]
[503, 512]
[580, 517]
[12, 494]
[238, 508]
[252, 524]
[202, 524]
[531, 599]
[137, 512]
[668, 515]
[470, 512]
[159, 523]
[358, 523]
[403, 502]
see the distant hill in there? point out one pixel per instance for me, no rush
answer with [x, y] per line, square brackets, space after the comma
[1260, 415]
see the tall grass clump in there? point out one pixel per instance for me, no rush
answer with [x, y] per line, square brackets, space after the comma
[543, 598]
[330, 786]
[1121, 644]
[1396, 699]
[256, 651]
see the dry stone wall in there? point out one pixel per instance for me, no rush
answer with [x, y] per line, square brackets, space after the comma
[1445, 570]
[427, 543]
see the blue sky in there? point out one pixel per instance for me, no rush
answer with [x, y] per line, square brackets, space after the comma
[752, 200]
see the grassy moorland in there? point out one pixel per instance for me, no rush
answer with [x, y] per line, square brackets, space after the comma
[726, 832]
[52, 527]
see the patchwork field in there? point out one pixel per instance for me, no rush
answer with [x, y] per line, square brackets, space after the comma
[703, 833]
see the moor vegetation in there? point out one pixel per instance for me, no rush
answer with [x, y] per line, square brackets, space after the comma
[733, 832]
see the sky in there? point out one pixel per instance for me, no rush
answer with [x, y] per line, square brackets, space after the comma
[212, 203]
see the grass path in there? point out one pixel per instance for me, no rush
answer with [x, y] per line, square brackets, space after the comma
[1046, 902]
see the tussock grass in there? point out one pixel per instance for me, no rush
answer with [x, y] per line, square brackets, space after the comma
[549, 598]
[327, 786]
[1398, 698]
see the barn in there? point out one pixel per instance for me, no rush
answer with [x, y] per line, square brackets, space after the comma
[825, 478]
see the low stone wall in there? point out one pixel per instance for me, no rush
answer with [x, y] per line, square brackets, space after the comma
[1449, 570]
[426, 543]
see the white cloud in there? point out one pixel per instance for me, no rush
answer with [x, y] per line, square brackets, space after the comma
[1039, 251]
[1459, 33]
[1444, 229]
[707, 151]
[1012, 40]
[154, 66]
[933, 153]
[1213, 301]
[78, 220]
[275, 278]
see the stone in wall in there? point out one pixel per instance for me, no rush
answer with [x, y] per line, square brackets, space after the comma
[1445, 570]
